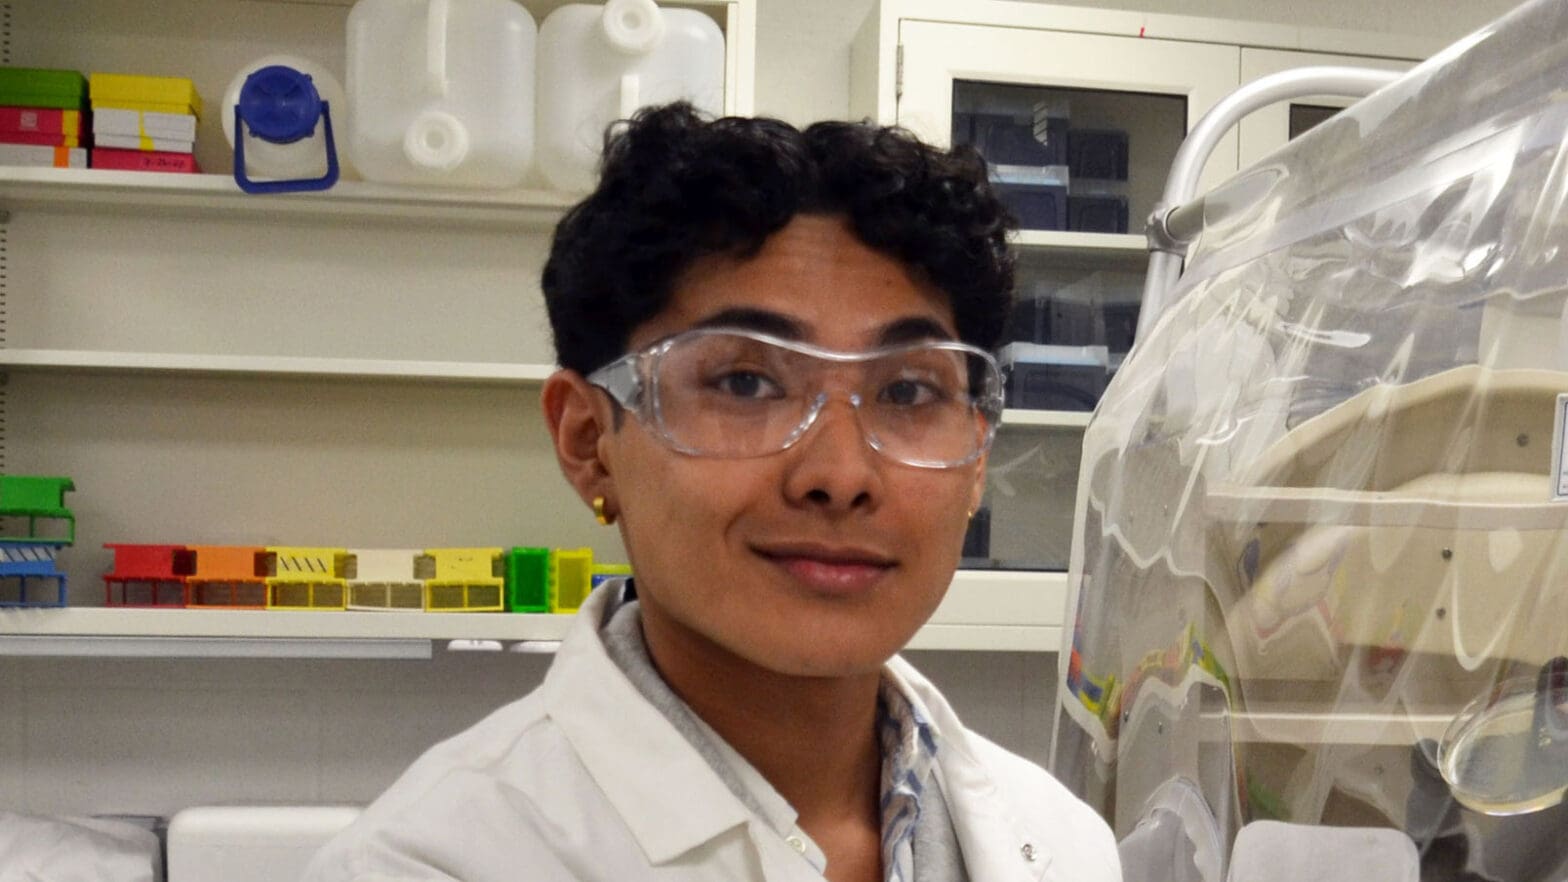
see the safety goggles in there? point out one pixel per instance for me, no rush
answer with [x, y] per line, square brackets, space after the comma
[728, 393]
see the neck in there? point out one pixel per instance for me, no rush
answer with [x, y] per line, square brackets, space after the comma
[813, 738]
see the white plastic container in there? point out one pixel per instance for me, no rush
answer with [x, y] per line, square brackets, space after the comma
[305, 159]
[441, 92]
[599, 64]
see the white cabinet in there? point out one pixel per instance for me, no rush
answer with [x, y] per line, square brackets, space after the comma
[1079, 113]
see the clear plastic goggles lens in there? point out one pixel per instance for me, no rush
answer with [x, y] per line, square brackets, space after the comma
[737, 394]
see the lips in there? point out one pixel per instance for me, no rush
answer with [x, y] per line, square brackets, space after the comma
[829, 569]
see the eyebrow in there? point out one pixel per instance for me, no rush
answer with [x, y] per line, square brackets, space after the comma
[904, 330]
[753, 319]
[912, 329]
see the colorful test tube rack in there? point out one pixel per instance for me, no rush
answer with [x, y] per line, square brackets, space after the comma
[385, 579]
[303, 578]
[30, 575]
[463, 579]
[28, 572]
[228, 577]
[149, 575]
[519, 579]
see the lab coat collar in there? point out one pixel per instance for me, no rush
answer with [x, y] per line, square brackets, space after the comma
[995, 843]
[664, 790]
[645, 784]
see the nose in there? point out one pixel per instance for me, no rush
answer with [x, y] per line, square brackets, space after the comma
[832, 467]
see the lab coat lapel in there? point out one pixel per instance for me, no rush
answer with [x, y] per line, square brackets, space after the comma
[996, 846]
[660, 786]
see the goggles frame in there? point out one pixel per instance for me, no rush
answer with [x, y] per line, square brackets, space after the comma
[632, 382]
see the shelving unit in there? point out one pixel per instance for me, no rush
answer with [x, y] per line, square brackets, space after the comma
[992, 611]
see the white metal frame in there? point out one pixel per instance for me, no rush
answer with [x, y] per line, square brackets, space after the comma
[1178, 217]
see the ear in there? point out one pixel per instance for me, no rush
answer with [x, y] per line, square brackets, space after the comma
[579, 417]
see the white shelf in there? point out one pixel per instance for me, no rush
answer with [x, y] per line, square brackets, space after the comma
[1339, 727]
[26, 187]
[1133, 244]
[163, 362]
[1060, 419]
[985, 610]
[1121, 250]
[245, 623]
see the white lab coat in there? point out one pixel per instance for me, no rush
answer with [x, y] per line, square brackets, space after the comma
[583, 779]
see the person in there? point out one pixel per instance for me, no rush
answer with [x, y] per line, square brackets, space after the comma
[774, 383]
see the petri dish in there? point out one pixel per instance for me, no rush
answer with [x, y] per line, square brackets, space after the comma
[1506, 753]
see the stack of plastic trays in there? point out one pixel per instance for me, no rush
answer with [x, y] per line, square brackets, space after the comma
[28, 555]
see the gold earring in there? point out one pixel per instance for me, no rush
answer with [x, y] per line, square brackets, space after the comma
[599, 513]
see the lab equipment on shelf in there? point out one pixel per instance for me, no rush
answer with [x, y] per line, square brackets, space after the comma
[484, 579]
[441, 92]
[29, 571]
[305, 578]
[41, 118]
[227, 577]
[463, 579]
[143, 123]
[385, 579]
[278, 118]
[148, 575]
[599, 64]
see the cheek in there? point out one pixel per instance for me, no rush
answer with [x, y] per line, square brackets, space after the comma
[933, 515]
[679, 508]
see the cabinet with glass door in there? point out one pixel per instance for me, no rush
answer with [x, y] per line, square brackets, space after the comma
[1078, 114]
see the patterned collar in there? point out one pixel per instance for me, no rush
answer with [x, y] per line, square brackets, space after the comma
[908, 752]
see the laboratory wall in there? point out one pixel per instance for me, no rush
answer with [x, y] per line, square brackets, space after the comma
[803, 45]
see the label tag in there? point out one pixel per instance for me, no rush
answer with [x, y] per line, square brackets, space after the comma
[1559, 450]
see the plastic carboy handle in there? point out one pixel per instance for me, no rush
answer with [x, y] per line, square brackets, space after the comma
[635, 27]
[631, 94]
[436, 17]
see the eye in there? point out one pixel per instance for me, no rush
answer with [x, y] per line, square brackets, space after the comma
[747, 385]
[911, 393]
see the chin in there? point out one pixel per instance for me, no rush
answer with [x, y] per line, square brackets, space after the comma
[825, 657]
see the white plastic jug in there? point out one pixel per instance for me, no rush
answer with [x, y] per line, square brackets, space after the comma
[273, 146]
[441, 92]
[599, 64]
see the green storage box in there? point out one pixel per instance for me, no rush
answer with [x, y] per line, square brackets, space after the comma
[36, 87]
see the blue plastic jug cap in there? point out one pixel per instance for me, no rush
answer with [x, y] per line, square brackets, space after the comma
[279, 104]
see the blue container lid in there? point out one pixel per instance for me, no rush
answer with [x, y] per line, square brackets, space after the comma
[279, 104]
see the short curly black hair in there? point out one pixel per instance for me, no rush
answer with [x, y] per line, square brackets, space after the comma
[676, 186]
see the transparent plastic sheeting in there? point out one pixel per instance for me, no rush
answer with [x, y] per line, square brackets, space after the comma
[1320, 573]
